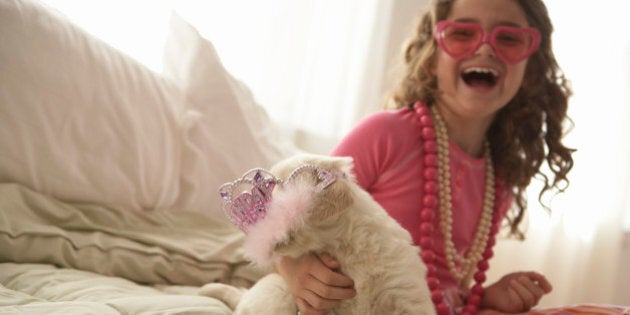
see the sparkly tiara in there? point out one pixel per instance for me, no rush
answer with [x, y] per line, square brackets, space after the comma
[254, 190]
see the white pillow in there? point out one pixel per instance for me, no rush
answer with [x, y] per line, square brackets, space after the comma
[232, 133]
[80, 120]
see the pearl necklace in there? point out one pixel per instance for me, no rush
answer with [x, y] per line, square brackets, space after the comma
[437, 181]
[469, 260]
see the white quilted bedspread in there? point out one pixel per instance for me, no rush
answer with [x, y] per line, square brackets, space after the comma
[45, 289]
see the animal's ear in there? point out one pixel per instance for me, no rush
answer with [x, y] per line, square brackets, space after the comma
[332, 200]
[344, 166]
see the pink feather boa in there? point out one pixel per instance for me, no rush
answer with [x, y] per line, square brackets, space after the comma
[287, 211]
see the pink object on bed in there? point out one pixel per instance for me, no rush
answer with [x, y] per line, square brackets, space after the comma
[582, 309]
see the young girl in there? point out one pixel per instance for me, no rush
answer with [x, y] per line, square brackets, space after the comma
[479, 110]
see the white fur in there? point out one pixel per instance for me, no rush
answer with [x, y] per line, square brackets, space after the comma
[372, 248]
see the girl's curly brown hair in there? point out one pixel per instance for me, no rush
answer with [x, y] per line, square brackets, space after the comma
[526, 132]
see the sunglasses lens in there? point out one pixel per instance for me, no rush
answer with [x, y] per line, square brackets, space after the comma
[513, 44]
[459, 40]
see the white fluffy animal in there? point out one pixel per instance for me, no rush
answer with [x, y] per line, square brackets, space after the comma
[343, 220]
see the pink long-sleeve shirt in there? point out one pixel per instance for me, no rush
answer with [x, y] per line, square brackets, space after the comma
[388, 162]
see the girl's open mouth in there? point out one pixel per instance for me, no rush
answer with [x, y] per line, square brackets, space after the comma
[480, 77]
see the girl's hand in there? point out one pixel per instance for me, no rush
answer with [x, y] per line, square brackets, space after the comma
[516, 292]
[315, 282]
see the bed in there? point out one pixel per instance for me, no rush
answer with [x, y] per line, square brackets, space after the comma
[108, 171]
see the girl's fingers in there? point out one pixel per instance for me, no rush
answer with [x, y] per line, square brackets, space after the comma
[522, 290]
[515, 299]
[320, 288]
[316, 303]
[533, 286]
[329, 261]
[327, 274]
[306, 309]
[331, 292]
[540, 281]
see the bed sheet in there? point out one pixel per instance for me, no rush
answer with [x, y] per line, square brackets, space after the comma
[46, 289]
